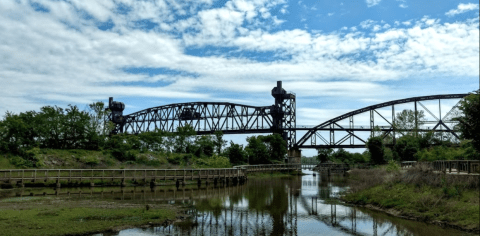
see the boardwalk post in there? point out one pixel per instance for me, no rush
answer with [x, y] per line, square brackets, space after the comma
[123, 184]
[449, 166]
[468, 167]
[458, 167]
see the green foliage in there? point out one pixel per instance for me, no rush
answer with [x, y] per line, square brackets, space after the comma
[204, 146]
[377, 150]
[324, 154]
[236, 154]
[219, 142]
[393, 166]
[75, 220]
[406, 147]
[91, 160]
[257, 151]
[266, 149]
[408, 119]
[215, 161]
[183, 138]
[469, 124]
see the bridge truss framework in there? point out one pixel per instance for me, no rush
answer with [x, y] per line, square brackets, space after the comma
[231, 118]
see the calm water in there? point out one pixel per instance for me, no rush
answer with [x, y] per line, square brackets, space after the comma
[303, 205]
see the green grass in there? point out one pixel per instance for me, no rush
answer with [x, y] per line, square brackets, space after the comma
[449, 205]
[64, 221]
[5, 163]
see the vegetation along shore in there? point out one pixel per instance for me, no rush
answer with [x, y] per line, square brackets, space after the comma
[418, 194]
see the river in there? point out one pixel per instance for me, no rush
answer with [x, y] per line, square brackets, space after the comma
[301, 205]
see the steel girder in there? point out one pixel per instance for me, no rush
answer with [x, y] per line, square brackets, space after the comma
[204, 117]
[332, 125]
[208, 117]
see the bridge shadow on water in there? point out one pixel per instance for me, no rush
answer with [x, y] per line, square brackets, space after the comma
[300, 205]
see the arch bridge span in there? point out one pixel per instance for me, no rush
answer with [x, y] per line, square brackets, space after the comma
[324, 134]
[344, 131]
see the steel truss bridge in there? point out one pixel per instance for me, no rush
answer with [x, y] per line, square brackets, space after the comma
[231, 118]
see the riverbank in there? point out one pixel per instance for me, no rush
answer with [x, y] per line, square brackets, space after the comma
[418, 194]
[61, 216]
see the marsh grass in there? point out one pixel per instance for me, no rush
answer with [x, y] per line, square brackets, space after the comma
[419, 193]
[68, 221]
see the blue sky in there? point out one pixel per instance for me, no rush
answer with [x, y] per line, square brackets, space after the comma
[337, 56]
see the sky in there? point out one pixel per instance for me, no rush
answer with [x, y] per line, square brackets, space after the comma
[337, 56]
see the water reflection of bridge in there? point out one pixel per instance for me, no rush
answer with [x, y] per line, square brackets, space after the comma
[254, 213]
[261, 207]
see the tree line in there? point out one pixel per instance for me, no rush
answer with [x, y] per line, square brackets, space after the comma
[71, 128]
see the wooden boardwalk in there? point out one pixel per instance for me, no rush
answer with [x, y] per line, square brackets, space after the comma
[213, 175]
[122, 175]
[458, 167]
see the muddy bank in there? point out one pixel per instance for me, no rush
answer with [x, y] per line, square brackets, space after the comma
[403, 215]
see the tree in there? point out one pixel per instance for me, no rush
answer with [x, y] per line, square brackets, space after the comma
[324, 154]
[406, 148]
[204, 145]
[342, 155]
[236, 154]
[219, 141]
[276, 146]
[377, 150]
[257, 151]
[183, 138]
[405, 120]
[469, 123]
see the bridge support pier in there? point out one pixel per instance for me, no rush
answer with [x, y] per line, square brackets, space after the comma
[294, 156]
[58, 184]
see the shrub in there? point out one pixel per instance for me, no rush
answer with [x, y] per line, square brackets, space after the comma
[91, 160]
[393, 166]
[215, 161]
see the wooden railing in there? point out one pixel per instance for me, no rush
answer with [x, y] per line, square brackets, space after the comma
[407, 164]
[459, 166]
[269, 167]
[34, 175]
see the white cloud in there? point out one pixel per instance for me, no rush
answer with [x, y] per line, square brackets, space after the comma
[331, 13]
[367, 23]
[403, 5]
[462, 8]
[62, 56]
[371, 3]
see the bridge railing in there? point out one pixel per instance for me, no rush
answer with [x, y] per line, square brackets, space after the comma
[459, 166]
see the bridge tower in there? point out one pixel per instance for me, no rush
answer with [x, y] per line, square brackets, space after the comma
[283, 114]
[116, 115]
